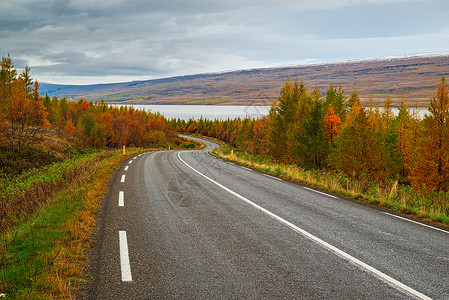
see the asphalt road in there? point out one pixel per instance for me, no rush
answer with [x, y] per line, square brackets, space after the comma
[185, 225]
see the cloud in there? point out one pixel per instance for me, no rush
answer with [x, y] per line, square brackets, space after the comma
[104, 40]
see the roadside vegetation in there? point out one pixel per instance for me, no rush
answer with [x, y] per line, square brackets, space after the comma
[393, 196]
[56, 158]
[332, 142]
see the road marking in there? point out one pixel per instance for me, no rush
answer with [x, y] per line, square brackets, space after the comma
[272, 177]
[124, 257]
[123, 178]
[126, 168]
[382, 276]
[135, 157]
[422, 224]
[121, 198]
[130, 161]
[246, 168]
[319, 192]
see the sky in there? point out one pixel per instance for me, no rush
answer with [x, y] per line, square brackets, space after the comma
[103, 41]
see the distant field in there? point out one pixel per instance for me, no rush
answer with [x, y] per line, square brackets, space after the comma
[414, 77]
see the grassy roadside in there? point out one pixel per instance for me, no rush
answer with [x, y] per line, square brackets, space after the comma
[43, 256]
[429, 206]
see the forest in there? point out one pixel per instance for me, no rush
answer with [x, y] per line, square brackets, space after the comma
[25, 115]
[337, 135]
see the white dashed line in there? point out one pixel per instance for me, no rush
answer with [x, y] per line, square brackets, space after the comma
[124, 257]
[123, 178]
[130, 161]
[121, 198]
[319, 192]
[246, 168]
[126, 168]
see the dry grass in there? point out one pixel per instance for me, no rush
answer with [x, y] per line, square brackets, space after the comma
[421, 204]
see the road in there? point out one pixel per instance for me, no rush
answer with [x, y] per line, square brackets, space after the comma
[186, 225]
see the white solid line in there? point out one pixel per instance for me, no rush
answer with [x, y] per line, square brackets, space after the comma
[124, 257]
[123, 178]
[319, 192]
[121, 198]
[422, 224]
[126, 168]
[247, 168]
[272, 177]
[382, 276]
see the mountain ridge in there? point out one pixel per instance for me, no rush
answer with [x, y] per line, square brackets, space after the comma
[413, 76]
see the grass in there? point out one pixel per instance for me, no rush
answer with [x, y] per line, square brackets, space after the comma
[13, 163]
[400, 198]
[42, 256]
[26, 192]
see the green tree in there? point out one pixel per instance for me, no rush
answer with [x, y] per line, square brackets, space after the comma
[311, 147]
[7, 78]
[337, 100]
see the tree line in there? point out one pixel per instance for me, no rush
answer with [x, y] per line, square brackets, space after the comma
[25, 115]
[331, 132]
[339, 134]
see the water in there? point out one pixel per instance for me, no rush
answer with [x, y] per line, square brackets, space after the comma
[211, 112]
[222, 112]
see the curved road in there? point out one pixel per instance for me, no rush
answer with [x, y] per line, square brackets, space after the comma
[185, 225]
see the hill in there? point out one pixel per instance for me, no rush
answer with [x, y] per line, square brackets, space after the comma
[414, 76]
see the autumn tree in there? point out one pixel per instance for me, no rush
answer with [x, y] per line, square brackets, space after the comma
[25, 116]
[105, 118]
[192, 128]
[409, 131]
[259, 134]
[432, 166]
[69, 128]
[352, 150]
[332, 126]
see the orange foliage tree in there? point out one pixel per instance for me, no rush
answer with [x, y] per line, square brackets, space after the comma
[25, 116]
[332, 125]
[432, 166]
[352, 146]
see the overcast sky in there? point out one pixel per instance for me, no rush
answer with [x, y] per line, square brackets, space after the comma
[99, 41]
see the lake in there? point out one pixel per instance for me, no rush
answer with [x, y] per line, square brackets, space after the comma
[222, 112]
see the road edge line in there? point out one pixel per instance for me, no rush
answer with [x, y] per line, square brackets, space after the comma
[382, 276]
